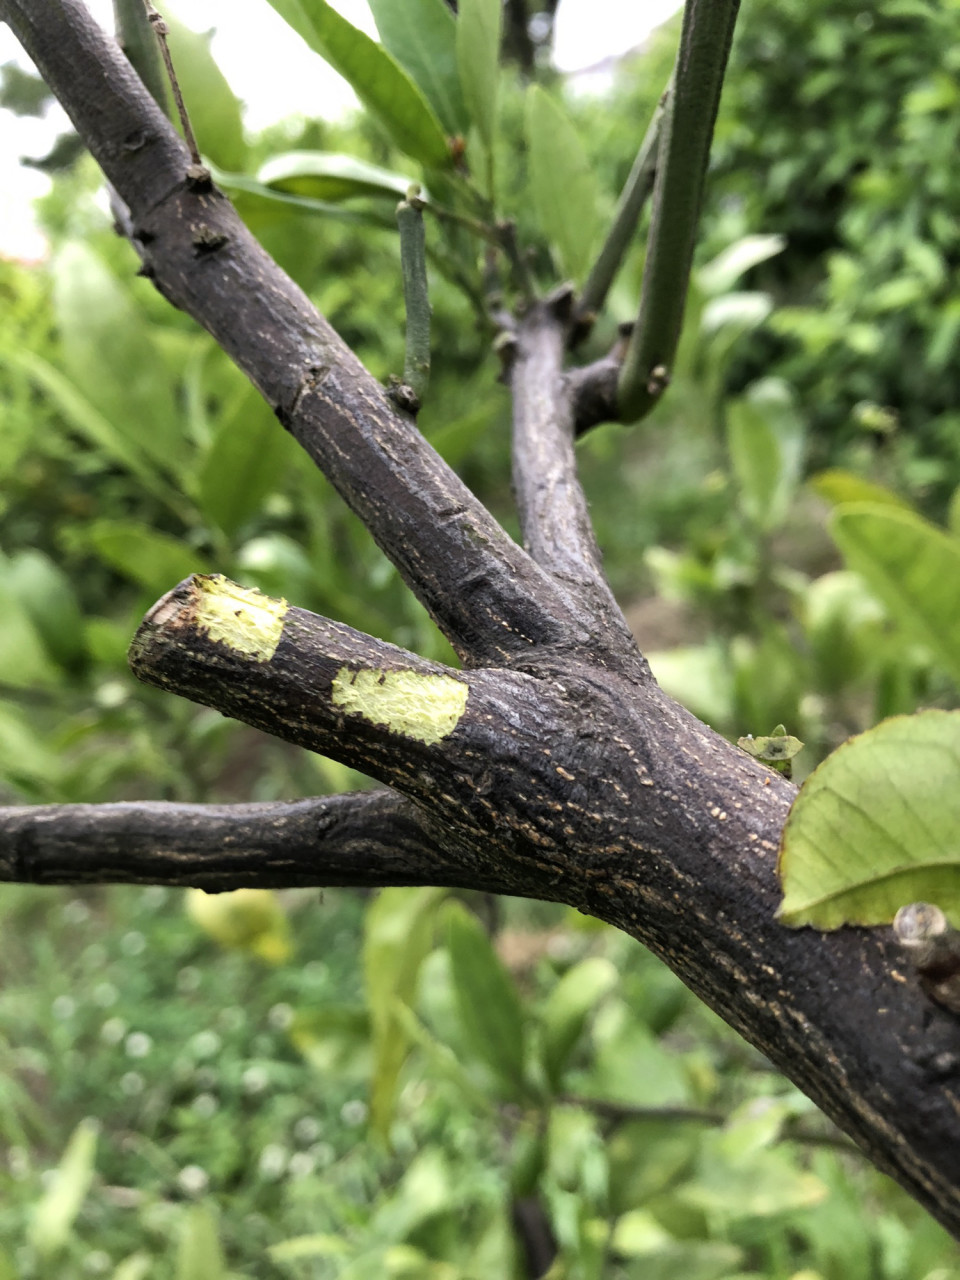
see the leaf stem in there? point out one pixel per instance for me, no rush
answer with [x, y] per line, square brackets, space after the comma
[634, 196]
[684, 153]
[413, 262]
[162, 31]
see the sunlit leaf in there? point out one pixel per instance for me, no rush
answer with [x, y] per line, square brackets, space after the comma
[722, 273]
[421, 35]
[56, 1211]
[199, 1256]
[912, 567]
[381, 84]
[215, 113]
[876, 826]
[563, 185]
[837, 486]
[250, 920]
[324, 175]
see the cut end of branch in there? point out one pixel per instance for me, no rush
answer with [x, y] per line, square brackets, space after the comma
[240, 618]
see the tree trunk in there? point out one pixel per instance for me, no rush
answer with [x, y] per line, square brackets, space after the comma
[550, 766]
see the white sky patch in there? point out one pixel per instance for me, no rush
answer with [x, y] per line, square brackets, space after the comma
[270, 68]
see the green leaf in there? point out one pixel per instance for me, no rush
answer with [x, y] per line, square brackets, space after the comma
[244, 462]
[479, 27]
[155, 560]
[54, 1215]
[137, 1267]
[199, 1256]
[567, 1008]
[215, 113]
[422, 36]
[381, 84]
[756, 460]
[487, 1002]
[26, 761]
[722, 272]
[324, 175]
[875, 827]
[912, 567]
[110, 354]
[47, 595]
[837, 486]
[398, 933]
[90, 423]
[562, 183]
[767, 1184]
[23, 657]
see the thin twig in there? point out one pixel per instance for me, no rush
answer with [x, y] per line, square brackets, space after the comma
[162, 30]
[416, 296]
[683, 156]
[637, 188]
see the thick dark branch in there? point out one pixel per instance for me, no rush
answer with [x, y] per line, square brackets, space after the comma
[451, 740]
[593, 390]
[552, 509]
[484, 593]
[366, 839]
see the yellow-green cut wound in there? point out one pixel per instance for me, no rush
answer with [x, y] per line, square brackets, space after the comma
[423, 707]
[241, 617]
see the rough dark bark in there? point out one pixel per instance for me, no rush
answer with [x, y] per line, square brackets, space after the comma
[563, 772]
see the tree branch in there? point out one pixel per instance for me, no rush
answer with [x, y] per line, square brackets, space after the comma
[552, 509]
[365, 839]
[682, 158]
[486, 596]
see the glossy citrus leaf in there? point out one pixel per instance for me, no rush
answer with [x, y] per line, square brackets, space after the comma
[381, 84]
[912, 567]
[422, 36]
[325, 175]
[479, 27]
[877, 826]
[215, 112]
[563, 185]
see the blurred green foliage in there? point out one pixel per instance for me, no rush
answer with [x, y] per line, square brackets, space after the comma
[540, 1069]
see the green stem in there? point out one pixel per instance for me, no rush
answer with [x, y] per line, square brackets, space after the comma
[413, 262]
[136, 38]
[634, 196]
[684, 153]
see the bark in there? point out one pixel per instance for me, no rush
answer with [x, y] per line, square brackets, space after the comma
[553, 766]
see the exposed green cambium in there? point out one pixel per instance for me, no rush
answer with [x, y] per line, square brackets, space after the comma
[240, 617]
[683, 156]
[424, 707]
